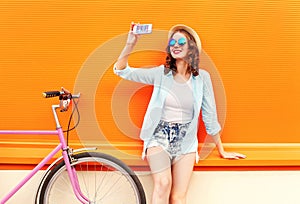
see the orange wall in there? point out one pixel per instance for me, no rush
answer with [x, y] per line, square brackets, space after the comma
[255, 46]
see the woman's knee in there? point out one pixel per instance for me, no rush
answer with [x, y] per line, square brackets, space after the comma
[162, 184]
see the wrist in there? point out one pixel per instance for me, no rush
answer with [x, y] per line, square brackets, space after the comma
[221, 150]
[129, 44]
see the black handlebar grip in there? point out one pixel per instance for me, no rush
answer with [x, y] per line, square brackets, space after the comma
[49, 94]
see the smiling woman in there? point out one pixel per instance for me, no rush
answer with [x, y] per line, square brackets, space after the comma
[169, 130]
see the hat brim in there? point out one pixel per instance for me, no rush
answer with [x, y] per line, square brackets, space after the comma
[189, 30]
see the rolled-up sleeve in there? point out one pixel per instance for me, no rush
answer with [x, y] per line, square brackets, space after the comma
[209, 111]
[142, 75]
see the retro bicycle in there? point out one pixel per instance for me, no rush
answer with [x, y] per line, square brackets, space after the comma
[82, 175]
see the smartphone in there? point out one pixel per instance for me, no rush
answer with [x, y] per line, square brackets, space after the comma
[141, 28]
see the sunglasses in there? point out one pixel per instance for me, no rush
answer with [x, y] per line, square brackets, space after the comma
[181, 42]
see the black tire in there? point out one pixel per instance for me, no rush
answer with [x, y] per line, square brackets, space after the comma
[102, 178]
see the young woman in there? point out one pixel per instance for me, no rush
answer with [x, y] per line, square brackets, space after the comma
[169, 129]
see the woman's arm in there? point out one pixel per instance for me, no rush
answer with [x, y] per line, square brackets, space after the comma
[209, 115]
[123, 58]
[141, 75]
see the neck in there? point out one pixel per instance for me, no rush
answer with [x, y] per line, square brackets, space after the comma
[182, 67]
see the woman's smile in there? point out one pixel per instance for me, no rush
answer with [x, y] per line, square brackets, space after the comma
[176, 51]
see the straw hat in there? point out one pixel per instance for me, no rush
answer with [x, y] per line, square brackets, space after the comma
[189, 30]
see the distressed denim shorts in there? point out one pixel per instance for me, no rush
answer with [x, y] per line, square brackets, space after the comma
[170, 137]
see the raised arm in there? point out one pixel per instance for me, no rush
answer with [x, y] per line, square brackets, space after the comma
[123, 58]
[141, 75]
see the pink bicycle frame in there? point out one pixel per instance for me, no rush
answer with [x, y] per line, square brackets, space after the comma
[61, 146]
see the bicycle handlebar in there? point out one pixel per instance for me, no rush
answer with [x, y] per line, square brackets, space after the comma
[65, 98]
[49, 94]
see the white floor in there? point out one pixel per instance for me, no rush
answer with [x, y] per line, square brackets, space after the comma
[208, 187]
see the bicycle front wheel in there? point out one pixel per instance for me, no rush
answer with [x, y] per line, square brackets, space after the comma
[103, 179]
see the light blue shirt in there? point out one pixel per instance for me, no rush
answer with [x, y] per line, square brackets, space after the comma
[203, 96]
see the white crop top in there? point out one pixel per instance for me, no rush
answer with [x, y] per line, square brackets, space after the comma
[178, 106]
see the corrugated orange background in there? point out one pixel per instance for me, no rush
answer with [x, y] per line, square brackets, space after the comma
[254, 44]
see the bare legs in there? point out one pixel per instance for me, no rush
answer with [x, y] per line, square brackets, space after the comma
[160, 165]
[181, 175]
[170, 181]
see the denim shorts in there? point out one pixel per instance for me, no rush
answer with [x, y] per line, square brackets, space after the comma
[170, 137]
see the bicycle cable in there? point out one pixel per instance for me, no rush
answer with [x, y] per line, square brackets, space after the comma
[70, 119]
